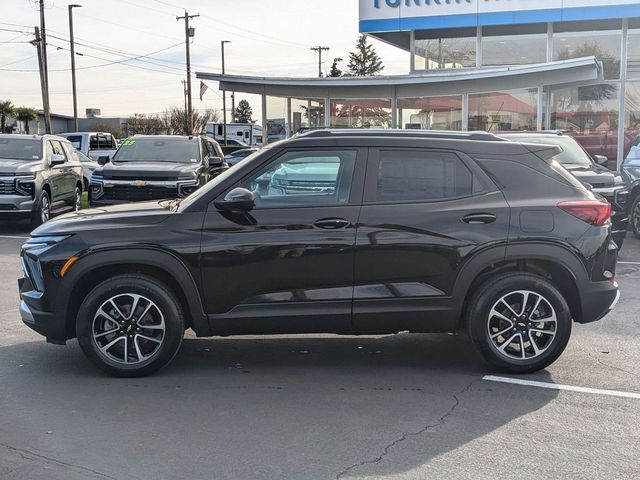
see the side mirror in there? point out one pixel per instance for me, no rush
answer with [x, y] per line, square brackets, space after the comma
[103, 160]
[215, 161]
[237, 200]
[56, 159]
[601, 160]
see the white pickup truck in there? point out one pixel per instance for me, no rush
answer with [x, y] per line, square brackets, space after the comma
[92, 144]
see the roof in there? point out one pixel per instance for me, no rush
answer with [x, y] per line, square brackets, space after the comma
[454, 81]
[31, 135]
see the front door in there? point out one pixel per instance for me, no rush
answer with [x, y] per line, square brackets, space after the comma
[425, 213]
[287, 265]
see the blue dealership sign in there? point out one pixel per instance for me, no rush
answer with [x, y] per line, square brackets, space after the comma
[398, 15]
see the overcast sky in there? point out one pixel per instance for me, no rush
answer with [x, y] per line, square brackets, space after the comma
[270, 38]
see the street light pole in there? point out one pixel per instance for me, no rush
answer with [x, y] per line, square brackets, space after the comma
[224, 97]
[73, 67]
[189, 32]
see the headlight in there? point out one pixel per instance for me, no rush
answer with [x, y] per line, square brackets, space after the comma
[25, 184]
[38, 245]
[618, 181]
[34, 247]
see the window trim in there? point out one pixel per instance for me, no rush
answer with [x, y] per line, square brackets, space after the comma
[371, 181]
[357, 179]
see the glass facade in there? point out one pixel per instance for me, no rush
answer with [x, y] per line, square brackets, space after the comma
[431, 113]
[514, 49]
[361, 113]
[604, 45]
[306, 114]
[438, 53]
[514, 110]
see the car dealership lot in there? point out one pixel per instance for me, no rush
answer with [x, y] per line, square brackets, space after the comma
[320, 406]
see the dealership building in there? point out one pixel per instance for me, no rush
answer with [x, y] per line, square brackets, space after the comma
[495, 65]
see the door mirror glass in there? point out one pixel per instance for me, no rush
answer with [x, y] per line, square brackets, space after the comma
[237, 200]
[215, 161]
[103, 159]
[601, 160]
[56, 159]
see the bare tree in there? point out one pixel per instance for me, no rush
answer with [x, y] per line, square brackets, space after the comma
[175, 118]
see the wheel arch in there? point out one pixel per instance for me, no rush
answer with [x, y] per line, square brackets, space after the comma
[93, 268]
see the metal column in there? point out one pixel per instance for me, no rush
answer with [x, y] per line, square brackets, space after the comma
[623, 90]
[265, 140]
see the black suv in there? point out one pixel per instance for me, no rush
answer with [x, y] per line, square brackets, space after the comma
[153, 167]
[590, 171]
[40, 176]
[348, 232]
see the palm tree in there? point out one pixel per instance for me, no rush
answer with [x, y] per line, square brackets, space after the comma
[26, 115]
[6, 109]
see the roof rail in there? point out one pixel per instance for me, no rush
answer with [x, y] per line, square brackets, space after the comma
[373, 132]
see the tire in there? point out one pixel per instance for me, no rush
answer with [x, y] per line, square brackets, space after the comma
[634, 217]
[77, 199]
[494, 335]
[149, 337]
[42, 213]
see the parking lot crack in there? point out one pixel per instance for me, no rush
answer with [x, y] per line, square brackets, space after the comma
[31, 456]
[427, 428]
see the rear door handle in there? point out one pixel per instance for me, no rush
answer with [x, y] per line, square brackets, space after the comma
[475, 218]
[332, 223]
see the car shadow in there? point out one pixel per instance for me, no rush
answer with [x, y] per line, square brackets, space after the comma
[15, 227]
[277, 407]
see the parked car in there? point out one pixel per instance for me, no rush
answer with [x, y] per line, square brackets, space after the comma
[236, 157]
[631, 173]
[413, 231]
[39, 177]
[148, 167]
[89, 166]
[92, 144]
[591, 171]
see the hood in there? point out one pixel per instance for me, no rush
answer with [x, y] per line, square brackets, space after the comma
[128, 215]
[595, 175]
[8, 166]
[147, 170]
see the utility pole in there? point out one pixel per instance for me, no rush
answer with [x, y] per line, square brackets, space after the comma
[319, 49]
[43, 82]
[73, 67]
[45, 69]
[224, 97]
[184, 94]
[189, 32]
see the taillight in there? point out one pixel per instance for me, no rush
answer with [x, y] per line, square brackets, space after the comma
[591, 211]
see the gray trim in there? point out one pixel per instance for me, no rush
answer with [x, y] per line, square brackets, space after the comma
[550, 42]
[622, 93]
[540, 108]
[479, 47]
[465, 112]
[412, 50]
[394, 108]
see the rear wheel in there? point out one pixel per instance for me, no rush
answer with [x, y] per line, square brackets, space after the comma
[130, 325]
[635, 217]
[520, 322]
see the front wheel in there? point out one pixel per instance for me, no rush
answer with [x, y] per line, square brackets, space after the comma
[635, 217]
[77, 199]
[42, 213]
[130, 325]
[520, 322]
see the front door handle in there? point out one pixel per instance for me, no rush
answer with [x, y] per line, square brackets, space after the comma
[475, 218]
[332, 223]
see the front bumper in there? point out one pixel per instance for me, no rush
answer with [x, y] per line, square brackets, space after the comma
[16, 206]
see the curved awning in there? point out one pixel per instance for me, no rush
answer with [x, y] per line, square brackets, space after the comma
[580, 71]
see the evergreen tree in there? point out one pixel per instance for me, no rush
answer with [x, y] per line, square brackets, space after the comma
[243, 113]
[26, 115]
[335, 70]
[364, 61]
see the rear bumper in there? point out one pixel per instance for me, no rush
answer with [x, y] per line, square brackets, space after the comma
[598, 300]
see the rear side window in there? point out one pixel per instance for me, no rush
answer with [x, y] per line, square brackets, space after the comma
[421, 175]
[76, 141]
[101, 142]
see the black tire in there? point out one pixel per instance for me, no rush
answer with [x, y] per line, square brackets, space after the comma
[480, 323]
[169, 310]
[37, 217]
[634, 217]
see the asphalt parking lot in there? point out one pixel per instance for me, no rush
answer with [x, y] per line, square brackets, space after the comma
[322, 407]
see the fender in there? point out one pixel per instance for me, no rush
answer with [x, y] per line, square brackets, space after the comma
[154, 257]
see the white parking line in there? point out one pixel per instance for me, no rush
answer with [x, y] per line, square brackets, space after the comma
[629, 263]
[556, 386]
[13, 236]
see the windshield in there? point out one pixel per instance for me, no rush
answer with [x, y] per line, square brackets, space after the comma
[20, 148]
[572, 153]
[161, 150]
[201, 192]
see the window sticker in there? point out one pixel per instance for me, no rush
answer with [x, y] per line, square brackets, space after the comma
[128, 143]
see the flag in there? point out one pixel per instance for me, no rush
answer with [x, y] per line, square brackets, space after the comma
[203, 88]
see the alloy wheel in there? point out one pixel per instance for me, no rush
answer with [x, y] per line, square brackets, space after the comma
[78, 200]
[45, 209]
[636, 218]
[522, 325]
[128, 329]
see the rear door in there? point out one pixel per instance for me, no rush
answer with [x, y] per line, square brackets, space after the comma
[425, 212]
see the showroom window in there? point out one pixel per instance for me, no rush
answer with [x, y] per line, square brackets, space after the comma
[445, 49]
[430, 113]
[306, 113]
[361, 113]
[590, 113]
[514, 45]
[421, 175]
[604, 45]
[633, 54]
[512, 110]
[632, 118]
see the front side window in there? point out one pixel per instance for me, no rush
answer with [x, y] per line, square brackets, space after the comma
[414, 175]
[58, 150]
[304, 179]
